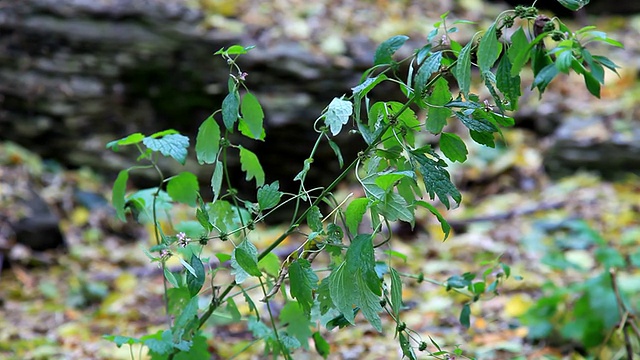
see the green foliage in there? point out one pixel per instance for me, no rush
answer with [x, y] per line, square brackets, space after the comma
[394, 169]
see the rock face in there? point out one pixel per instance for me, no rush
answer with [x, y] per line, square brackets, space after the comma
[593, 145]
[75, 74]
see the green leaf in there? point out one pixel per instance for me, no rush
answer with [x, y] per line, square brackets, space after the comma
[314, 219]
[436, 178]
[338, 115]
[336, 150]
[489, 49]
[216, 180]
[405, 345]
[453, 147]
[476, 123]
[367, 85]
[444, 225]
[121, 340]
[171, 278]
[159, 343]
[563, 61]
[208, 141]
[129, 140]
[241, 260]
[438, 113]
[118, 193]
[523, 53]
[355, 282]
[394, 207]
[462, 71]
[355, 212]
[544, 77]
[483, 138]
[430, 66]
[252, 114]
[465, 315]
[269, 196]
[248, 262]
[270, 263]
[230, 109]
[184, 188]
[388, 181]
[519, 47]
[173, 145]
[539, 60]
[203, 218]
[396, 292]
[385, 51]
[573, 5]
[507, 84]
[298, 322]
[592, 84]
[195, 281]
[303, 282]
[360, 258]
[251, 165]
[322, 346]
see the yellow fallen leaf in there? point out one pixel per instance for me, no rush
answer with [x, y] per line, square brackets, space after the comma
[80, 216]
[517, 305]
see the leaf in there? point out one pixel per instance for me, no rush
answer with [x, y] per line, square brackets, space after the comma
[298, 322]
[216, 180]
[438, 113]
[251, 165]
[405, 345]
[396, 292]
[252, 114]
[121, 340]
[489, 49]
[338, 115]
[453, 147]
[269, 196]
[247, 262]
[436, 178]
[336, 150]
[118, 194]
[303, 282]
[230, 110]
[385, 51]
[507, 84]
[208, 141]
[129, 140]
[203, 218]
[355, 212]
[394, 207]
[248, 258]
[523, 53]
[476, 123]
[464, 316]
[367, 85]
[444, 225]
[314, 219]
[270, 263]
[355, 282]
[184, 188]
[322, 346]
[195, 281]
[573, 5]
[462, 71]
[518, 47]
[173, 145]
[430, 66]
[171, 278]
[544, 77]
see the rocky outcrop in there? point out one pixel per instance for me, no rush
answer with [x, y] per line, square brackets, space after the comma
[75, 74]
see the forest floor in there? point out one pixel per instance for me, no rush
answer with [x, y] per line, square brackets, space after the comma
[559, 237]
